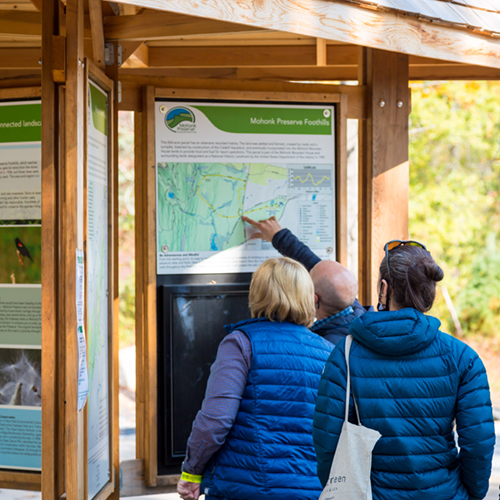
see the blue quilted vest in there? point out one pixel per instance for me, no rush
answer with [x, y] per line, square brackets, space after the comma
[269, 452]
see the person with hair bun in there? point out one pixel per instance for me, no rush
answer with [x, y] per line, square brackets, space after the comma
[414, 384]
[252, 438]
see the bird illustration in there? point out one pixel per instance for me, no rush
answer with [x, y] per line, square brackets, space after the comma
[22, 251]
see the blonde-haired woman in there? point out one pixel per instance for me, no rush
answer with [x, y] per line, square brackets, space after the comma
[252, 438]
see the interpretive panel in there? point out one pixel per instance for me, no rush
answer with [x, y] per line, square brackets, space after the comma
[97, 291]
[20, 286]
[20, 160]
[216, 162]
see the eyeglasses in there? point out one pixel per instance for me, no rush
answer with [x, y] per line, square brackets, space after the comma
[391, 245]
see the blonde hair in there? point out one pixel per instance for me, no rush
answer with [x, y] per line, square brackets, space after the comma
[281, 289]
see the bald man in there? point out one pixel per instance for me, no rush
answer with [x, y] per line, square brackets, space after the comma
[335, 287]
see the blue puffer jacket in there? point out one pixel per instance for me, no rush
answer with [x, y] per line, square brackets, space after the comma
[269, 451]
[412, 383]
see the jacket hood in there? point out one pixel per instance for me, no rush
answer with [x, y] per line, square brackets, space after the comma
[395, 333]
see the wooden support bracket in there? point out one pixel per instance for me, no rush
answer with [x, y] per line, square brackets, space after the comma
[138, 59]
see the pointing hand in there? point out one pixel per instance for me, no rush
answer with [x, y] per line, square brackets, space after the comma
[268, 228]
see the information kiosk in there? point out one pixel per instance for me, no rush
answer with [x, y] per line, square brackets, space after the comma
[217, 160]
[240, 108]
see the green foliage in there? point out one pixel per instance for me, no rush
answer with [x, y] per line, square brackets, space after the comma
[454, 184]
[480, 299]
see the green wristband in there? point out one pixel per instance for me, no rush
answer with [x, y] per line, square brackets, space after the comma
[191, 478]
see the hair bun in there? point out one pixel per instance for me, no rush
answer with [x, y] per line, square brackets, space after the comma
[433, 271]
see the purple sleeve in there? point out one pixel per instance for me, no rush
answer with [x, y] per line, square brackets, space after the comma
[225, 387]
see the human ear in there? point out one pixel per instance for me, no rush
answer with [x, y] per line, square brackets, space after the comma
[383, 291]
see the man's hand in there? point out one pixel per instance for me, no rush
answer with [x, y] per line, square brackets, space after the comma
[268, 228]
[187, 490]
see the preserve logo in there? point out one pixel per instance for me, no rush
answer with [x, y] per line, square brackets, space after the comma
[180, 119]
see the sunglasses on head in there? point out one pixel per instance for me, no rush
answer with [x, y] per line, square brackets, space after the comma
[391, 245]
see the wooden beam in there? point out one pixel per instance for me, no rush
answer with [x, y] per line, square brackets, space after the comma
[149, 287]
[252, 38]
[384, 167]
[20, 93]
[59, 58]
[72, 238]
[113, 257]
[259, 55]
[140, 320]
[453, 72]
[129, 48]
[321, 50]
[20, 23]
[96, 26]
[52, 365]
[20, 480]
[131, 89]
[158, 25]
[20, 58]
[268, 73]
[232, 56]
[343, 22]
[20, 78]
[138, 59]
[37, 4]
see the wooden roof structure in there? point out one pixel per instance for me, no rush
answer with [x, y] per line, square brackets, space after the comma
[478, 15]
[363, 51]
[238, 44]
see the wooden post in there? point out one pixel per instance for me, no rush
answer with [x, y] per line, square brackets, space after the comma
[52, 475]
[72, 238]
[112, 73]
[140, 210]
[149, 288]
[383, 165]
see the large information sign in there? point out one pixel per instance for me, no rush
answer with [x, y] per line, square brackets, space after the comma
[20, 285]
[216, 162]
[97, 291]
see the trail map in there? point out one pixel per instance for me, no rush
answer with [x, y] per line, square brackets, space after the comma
[208, 185]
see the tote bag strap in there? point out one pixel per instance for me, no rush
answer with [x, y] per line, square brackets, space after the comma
[348, 343]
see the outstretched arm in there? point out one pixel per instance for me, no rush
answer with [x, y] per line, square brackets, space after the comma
[284, 241]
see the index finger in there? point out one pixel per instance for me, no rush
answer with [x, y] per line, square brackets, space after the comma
[250, 221]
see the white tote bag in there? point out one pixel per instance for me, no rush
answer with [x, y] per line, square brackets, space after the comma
[351, 467]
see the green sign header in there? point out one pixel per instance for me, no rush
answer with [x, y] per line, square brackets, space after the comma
[269, 120]
[21, 122]
[99, 109]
